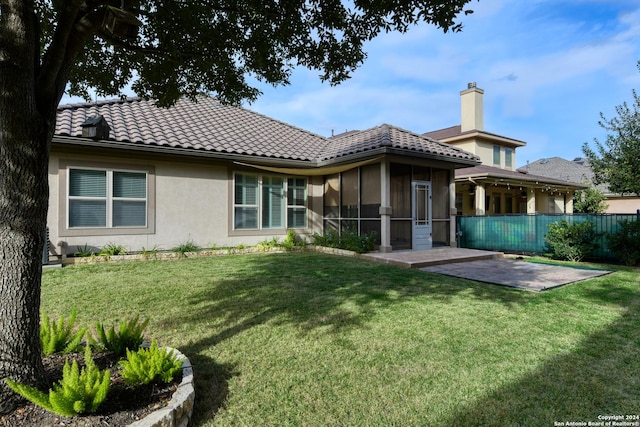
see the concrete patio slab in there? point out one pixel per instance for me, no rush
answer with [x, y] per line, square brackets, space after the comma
[430, 257]
[516, 273]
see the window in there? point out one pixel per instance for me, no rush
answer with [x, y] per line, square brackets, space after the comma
[246, 201]
[269, 202]
[296, 203]
[103, 198]
[272, 202]
[508, 154]
[496, 155]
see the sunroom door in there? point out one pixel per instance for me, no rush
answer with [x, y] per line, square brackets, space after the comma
[421, 215]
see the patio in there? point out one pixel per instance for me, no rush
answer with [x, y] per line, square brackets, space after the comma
[488, 267]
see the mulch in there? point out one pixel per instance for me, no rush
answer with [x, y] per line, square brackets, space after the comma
[124, 404]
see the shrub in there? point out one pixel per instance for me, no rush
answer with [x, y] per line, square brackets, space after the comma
[150, 253]
[186, 247]
[293, 240]
[269, 244]
[625, 243]
[78, 392]
[349, 240]
[127, 337]
[150, 365]
[58, 336]
[572, 242]
[84, 251]
[112, 249]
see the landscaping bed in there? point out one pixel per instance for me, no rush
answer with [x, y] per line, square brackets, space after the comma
[123, 406]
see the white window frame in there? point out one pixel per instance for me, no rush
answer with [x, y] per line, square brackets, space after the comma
[260, 206]
[108, 198]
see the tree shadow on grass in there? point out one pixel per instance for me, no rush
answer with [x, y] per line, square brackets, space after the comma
[601, 376]
[211, 379]
[316, 290]
[320, 292]
[310, 291]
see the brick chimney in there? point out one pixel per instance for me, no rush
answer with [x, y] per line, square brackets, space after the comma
[471, 117]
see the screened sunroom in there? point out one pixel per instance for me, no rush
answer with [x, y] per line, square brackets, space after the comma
[407, 206]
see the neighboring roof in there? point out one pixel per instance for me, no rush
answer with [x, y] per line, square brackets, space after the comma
[514, 177]
[444, 133]
[211, 127]
[576, 170]
[454, 133]
[394, 138]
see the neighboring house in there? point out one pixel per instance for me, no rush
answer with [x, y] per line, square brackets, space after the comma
[495, 186]
[579, 170]
[146, 177]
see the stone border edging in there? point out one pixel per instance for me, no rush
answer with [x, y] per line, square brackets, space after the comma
[204, 253]
[178, 411]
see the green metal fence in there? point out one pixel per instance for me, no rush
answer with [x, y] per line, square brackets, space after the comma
[524, 234]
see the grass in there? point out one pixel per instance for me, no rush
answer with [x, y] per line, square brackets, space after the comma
[309, 339]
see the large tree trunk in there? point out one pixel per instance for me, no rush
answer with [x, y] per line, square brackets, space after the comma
[25, 135]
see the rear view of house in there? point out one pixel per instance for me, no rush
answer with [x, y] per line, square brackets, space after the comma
[129, 173]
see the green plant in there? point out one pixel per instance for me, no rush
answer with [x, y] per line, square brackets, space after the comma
[349, 240]
[84, 251]
[590, 200]
[150, 253]
[571, 241]
[58, 336]
[112, 249]
[79, 391]
[625, 243]
[269, 244]
[292, 240]
[151, 364]
[127, 337]
[186, 247]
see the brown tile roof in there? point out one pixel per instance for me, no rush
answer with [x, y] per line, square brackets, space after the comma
[392, 137]
[444, 133]
[206, 125]
[453, 131]
[210, 126]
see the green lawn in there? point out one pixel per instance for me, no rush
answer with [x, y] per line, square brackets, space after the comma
[308, 339]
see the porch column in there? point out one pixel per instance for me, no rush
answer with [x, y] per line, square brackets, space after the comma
[452, 209]
[531, 201]
[568, 205]
[478, 204]
[385, 207]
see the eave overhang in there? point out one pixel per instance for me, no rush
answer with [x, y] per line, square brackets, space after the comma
[299, 166]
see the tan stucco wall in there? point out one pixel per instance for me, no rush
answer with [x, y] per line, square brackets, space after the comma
[623, 205]
[192, 203]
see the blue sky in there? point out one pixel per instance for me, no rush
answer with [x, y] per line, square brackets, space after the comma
[548, 68]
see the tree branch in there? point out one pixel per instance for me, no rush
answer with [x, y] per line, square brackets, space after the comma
[71, 34]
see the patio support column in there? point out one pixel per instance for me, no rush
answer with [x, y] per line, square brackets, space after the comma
[478, 204]
[568, 206]
[452, 209]
[385, 207]
[531, 201]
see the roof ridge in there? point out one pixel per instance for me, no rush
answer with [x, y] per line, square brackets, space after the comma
[99, 103]
[430, 139]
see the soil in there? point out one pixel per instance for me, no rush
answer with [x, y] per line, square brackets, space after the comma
[124, 404]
